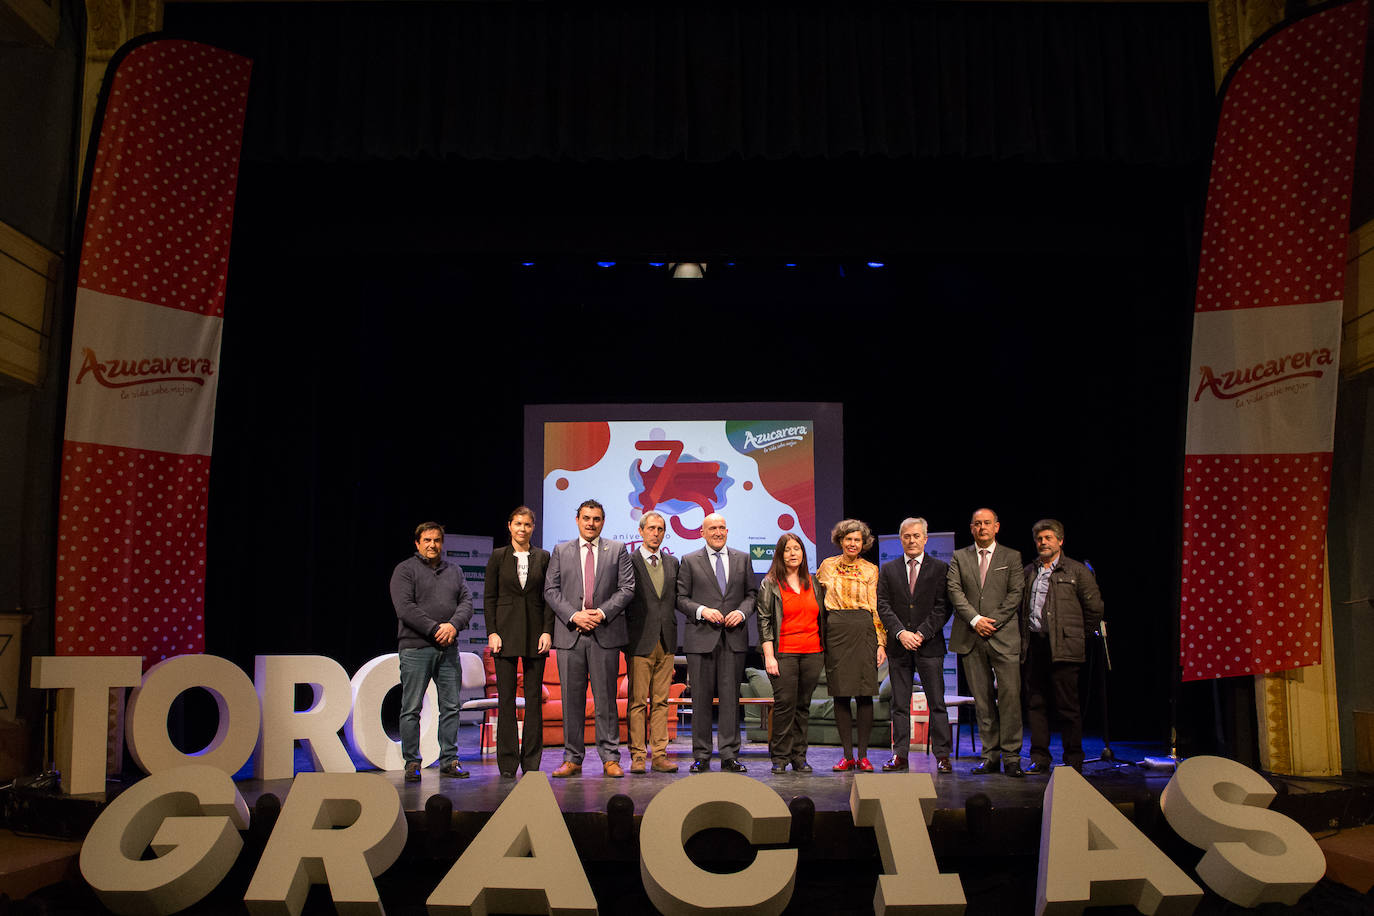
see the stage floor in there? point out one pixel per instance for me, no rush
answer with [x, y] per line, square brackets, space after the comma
[485, 789]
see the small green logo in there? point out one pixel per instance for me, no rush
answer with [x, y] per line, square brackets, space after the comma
[761, 552]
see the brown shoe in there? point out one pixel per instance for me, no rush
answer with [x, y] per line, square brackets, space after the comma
[637, 765]
[612, 770]
[567, 768]
[896, 764]
[942, 765]
[661, 765]
[453, 768]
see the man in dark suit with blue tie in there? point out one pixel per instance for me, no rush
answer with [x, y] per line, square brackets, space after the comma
[715, 593]
[913, 609]
[653, 642]
[588, 585]
[985, 583]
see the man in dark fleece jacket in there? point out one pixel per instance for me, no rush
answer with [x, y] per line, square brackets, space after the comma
[432, 604]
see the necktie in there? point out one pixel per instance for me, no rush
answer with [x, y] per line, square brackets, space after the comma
[588, 577]
[983, 565]
[913, 570]
[720, 574]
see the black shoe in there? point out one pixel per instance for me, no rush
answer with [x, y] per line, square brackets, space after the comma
[1013, 768]
[1038, 768]
[454, 769]
[507, 774]
[987, 766]
[942, 765]
[733, 766]
[801, 766]
[779, 769]
[700, 766]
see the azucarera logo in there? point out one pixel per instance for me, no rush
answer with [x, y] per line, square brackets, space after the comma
[774, 437]
[121, 373]
[1232, 383]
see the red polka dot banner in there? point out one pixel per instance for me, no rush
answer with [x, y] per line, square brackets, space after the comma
[145, 354]
[1266, 351]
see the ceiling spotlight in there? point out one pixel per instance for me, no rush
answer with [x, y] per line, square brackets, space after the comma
[605, 263]
[876, 264]
[687, 270]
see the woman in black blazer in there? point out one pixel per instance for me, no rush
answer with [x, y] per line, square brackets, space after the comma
[519, 629]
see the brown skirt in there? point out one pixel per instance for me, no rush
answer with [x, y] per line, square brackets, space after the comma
[851, 654]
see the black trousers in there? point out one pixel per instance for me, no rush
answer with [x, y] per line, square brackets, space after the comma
[1052, 688]
[511, 749]
[902, 664]
[798, 674]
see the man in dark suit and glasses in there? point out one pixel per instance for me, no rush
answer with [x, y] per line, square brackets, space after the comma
[985, 583]
[715, 592]
[653, 642]
[588, 584]
[913, 609]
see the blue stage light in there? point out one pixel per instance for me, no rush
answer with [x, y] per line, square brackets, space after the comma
[876, 264]
[605, 263]
[792, 264]
[526, 263]
[657, 263]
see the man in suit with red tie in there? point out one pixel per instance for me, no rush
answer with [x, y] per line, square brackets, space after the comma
[653, 642]
[985, 583]
[588, 585]
[715, 592]
[913, 609]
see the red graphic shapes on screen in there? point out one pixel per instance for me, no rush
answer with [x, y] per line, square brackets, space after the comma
[748, 485]
[785, 522]
[575, 446]
[667, 480]
[561, 483]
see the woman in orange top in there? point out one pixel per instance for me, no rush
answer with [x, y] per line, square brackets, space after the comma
[854, 637]
[791, 608]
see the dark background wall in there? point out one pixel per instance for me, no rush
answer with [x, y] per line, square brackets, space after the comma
[1031, 175]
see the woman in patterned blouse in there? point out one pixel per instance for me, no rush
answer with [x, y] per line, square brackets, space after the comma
[854, 637]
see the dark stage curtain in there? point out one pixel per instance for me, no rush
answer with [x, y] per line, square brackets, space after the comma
[1054, 82]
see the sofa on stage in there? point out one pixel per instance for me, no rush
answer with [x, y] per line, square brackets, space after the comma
[552, 697]
[821, 729]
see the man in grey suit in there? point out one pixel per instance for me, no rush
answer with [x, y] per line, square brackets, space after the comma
[653, 641]
[715, 592]
[985, 583]
[589, 635]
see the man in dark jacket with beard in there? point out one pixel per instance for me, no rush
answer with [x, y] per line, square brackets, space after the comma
[1062, 606]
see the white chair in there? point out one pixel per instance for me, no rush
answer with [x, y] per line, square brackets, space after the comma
[475, 678]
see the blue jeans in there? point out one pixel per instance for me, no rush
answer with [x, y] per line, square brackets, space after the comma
[418, 667]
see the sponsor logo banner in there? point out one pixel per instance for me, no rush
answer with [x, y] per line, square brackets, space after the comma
[1266, 348]
[145, 354]
[1264, 380]
[142, 376]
